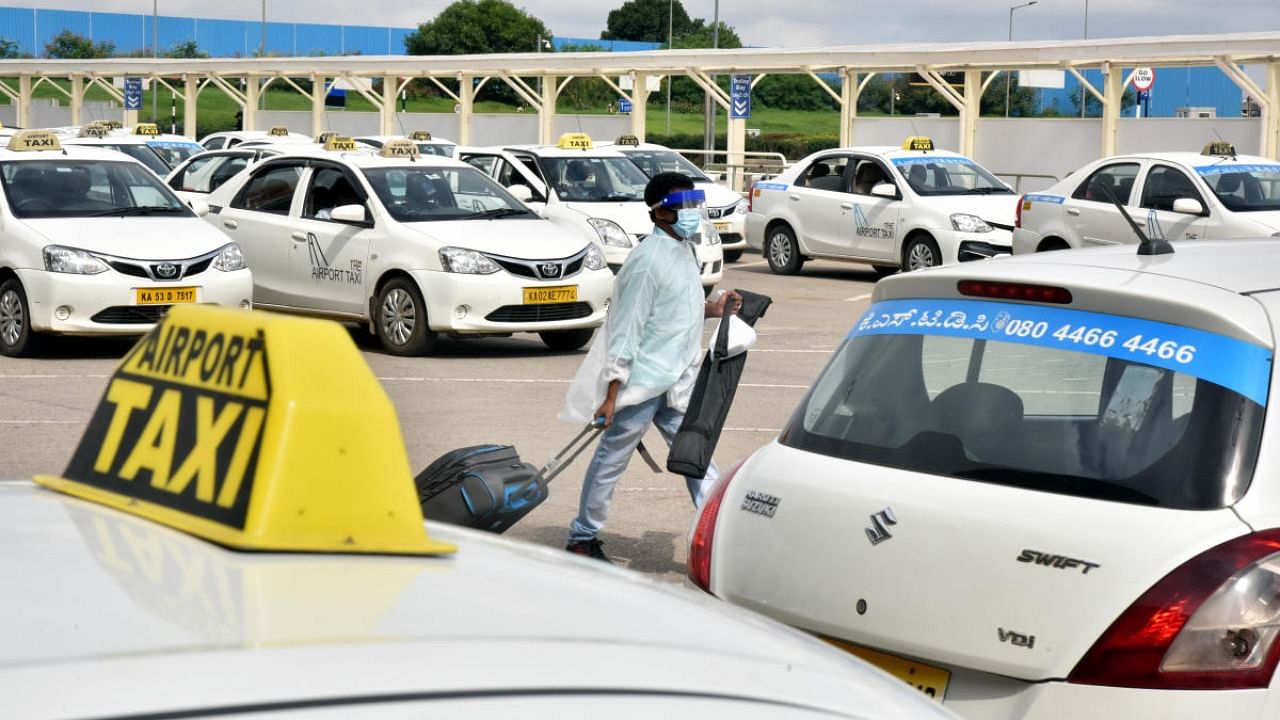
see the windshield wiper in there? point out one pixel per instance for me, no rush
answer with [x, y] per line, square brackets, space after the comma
[987, 191]
[500, 212]
[138, 210]
[619, 197]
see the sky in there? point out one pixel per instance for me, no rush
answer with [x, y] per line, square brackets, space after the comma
[781, 23]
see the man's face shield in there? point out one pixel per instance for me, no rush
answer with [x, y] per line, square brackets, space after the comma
[690, 207]
[683, 200]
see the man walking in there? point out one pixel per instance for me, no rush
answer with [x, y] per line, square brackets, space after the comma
[643, 366]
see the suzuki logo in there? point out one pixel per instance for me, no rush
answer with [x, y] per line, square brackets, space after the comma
[166, 271]
[880, 522]
[549, 270]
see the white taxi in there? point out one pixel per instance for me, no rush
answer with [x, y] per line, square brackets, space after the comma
[596, 192]
[231, 138]
[726, 209]
[238, 534]
[427, 145]
[92, 243]
[1045, 487]
[911, 207]
[200, 175]
[416, 246]
[144, 142]
[1214, 194]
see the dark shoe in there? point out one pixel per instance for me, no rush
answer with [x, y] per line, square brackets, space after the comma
[592, 548]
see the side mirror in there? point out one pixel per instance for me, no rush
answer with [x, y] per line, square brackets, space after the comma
[885, 190]
[1188, 206]
[199, 207]
[348, 214]
[521, 192]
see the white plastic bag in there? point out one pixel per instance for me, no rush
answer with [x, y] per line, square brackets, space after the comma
[741, 337]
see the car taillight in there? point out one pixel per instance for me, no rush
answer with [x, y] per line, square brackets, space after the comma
[1014, 291]
[1211, 624]
[751, 194]
[1017, 212]
[704, 533]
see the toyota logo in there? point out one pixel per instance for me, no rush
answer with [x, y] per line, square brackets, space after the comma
[166, 271]
[549, 269]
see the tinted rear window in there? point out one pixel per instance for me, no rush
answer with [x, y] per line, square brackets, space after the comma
[1049, 399]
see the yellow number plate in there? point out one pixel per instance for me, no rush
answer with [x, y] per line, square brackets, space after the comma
[930, 680]
[165, 296]
[546, 295]
[722, 227]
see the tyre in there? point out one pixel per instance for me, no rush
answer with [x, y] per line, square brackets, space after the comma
[16, 336]
[732, 255]
[782, 251]
[884, 270]
[921, 252]
[401, 320]
[566, 340]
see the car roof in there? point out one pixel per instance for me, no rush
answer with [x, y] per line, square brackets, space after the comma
[129, 140]
[1204, 284]
[383, 138]
[79, 151]
[1192, 159]
[363, 158]
[556, 152]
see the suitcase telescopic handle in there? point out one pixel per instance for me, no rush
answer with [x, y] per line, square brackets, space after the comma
[570, 452]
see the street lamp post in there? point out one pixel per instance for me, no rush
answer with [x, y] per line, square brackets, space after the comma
[1084, 99]
[262, 44]
[671, 8]
[155, 51]
[709, 111]
[1008, 79]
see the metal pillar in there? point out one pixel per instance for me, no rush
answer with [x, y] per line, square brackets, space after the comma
[317, 104]
[1271, 116]
[24, 101]
[1112, 89]
[466, 100]
[77, 98]
[547, 111]
[190, 100]
[251, 92]
[849, 92]
[970, 112]
[639, 104]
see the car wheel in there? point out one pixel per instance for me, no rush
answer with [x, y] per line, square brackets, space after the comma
[884, 270]
[921, 252]
[16, 336]
[1052, 244]
[782, 251]
[401, 322]
[732, 255]
[566, 340]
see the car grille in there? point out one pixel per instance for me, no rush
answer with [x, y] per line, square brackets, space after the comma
[134, 269]
[131, 314]
[527, 268]
[539, 313]
[721, 212]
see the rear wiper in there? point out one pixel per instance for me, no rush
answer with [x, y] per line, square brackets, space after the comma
[500, 212]
[138, 210]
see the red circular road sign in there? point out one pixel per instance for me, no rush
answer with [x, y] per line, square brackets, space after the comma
[1143, 78]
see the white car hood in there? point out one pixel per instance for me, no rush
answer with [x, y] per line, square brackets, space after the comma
[632, 217]
[992, 208]
[530, 239]
[718, 195]
[137, 237]
[1268, 222]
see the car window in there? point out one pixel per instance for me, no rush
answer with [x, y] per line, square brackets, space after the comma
[329, 188]
[485, 163]
[1165, 184]
[145, 155]
[946, 175]
[1108, 181]
[270, 190]
[1050, 399]
[83, 188]
[206, 174]
[423, 194]
[653, 162]
[215, 143]
[826, 174]
[595, 179]
[1244, 187]
[172, 152]
[509, 175]
[438, 149]
[867, 174]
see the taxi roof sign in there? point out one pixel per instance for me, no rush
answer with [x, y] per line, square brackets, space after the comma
[211, 425]
[1219, 147]
[146, 129]
[94, 130]
[323, 137]
[420, 135]
[399, 149]
[278, 131]
[575, 141]
[917, 142]
[342, 143]
[111, 124]
[29, 140]
[631, 140]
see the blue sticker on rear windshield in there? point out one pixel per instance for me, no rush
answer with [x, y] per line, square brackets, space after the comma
[1239, 366]
[1232, 168]
[770, 186]
[1035, 197]
[933, 160]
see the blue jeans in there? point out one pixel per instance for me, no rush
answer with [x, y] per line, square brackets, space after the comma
[614, 452]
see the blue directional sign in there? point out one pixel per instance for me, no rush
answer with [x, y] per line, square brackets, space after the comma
[624, 105]
[740, 97]
[133, 93]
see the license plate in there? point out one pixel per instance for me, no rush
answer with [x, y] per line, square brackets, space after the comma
[547, 295]
[930, 680]
[165, 296]
[721, 227]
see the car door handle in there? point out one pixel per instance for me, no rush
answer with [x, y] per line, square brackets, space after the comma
[230, 224]
[794, 197]
[1073, 211]
[299, 236]
[846, 206]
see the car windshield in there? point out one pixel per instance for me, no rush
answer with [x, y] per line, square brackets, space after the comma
[440, 149]
[143, 154]
[174, 153]
[1244, 187]
[420, 194]
[595, 179]
[943, 175]
[65, 188]
[1043, 398]
[653, 162]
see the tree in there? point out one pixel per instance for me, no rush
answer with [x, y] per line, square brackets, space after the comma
[470, 27]
[186, 50]
[793, 92]
[70, 46]
[9, 49]
[700, 35]
[646, 21]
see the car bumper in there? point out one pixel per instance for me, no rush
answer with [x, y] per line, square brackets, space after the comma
[1025, 241]
[753, 231]
[965, 247]
[732, 231]
[460, 304]
[107, 304]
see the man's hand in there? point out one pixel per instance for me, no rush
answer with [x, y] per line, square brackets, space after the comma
[717, 308]
[604, 413]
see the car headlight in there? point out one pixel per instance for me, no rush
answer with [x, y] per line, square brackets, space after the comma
[741, 207]
[595, 258]
[69, 260]
[969, 223]
[610, 232]
[710, 236]
[468, 262]
[229, 258]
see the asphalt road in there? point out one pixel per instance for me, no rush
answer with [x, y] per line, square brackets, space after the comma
[503, 390]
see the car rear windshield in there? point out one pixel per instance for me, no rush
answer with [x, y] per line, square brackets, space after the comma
[1244, 187]
[1048, 399]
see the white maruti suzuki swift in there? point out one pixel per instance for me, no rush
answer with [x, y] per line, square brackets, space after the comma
[1046, 487]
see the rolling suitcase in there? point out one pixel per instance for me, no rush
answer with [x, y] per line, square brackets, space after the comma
[488, 487]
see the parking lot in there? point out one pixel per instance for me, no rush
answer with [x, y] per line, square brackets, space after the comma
[500, 390]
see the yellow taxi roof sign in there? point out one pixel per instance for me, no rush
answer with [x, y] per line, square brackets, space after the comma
[94, 130]
[917, 142]
[399, 149]
[1219, 147]
[277, 131]
[420, 135]
[575, 141]
[323, 137]
[631, 140]
[216, 425]
[28, 140]
[111, 124]
[342, 143]
[146, 129]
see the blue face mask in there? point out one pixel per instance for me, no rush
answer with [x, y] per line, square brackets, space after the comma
[688, 222]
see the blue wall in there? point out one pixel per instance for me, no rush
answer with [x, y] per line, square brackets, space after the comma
[1174, 88]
